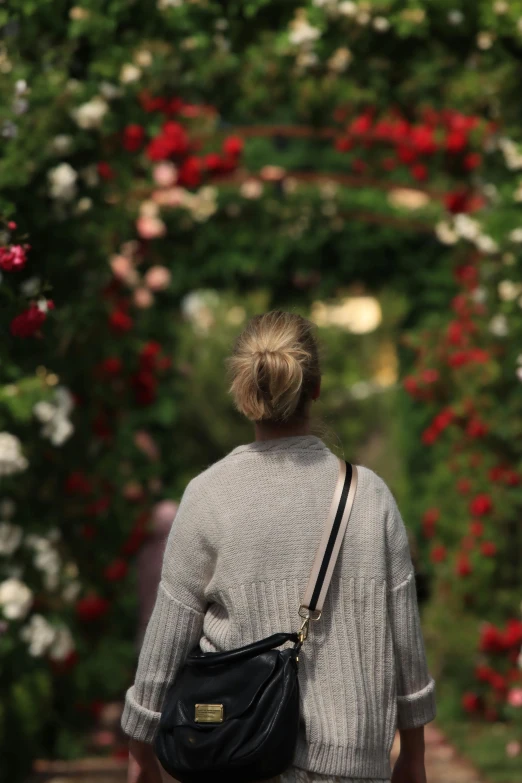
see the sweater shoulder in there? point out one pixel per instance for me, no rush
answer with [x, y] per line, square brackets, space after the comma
[371, 482]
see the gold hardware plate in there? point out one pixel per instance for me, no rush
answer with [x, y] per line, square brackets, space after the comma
[209, 713]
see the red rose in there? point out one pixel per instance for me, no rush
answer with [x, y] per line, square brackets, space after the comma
[361, 124]
[110, 366]
[190, 173]
[476, 429]
[463, 566]
[389, 164]
[77, 484]
[145, 385]
[410, 384]
[149, 354]
[91, 608]
[463, 486]
[513, 634]
[456, 141]
[359, 166]
[498, 682]
[443, 419]
[512, 478]
[213, 162]
[472, 161]
[470, 702]
[438, 554]
[483, 673]
[406, 155]
[105, 171]
[430, 376]
[66, 665]
[233, 146]
[430, 516]
[419, 172]
[496, 473]
[488, 549]
[28, 323]
[150, 104]
[467, 276]
[133, 137]
[422, 139]
[344, 144]
[490, 639]
[116, 571]
[476, 528]
[120, 322]
[457, 202]
[429, 436]
[481, 505]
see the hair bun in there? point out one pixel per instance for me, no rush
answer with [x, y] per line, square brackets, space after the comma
[274, 366]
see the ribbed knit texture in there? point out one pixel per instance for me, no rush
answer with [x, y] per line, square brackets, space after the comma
[235, 569]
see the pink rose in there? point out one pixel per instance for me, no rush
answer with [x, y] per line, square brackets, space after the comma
[515, 697]
[121, 267]
[165, 174]
[158, 278]
[171, 197]
[146, 444]
[143, 298]
[163, 515]
[150, 227]
[513, 749]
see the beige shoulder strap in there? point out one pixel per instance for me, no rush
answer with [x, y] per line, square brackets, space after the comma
[330, 546]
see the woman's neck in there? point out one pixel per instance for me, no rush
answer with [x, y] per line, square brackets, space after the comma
[266, 431]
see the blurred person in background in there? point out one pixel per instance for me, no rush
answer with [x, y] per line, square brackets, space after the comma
[238, 559]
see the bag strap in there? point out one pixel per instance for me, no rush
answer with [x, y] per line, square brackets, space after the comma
[330, 545]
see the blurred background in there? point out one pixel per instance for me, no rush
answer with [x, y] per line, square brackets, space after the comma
[168, 169]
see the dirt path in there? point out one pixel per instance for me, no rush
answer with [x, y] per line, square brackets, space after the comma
[443, 765]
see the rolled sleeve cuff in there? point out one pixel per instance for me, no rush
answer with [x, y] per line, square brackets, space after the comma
[137, 721]
[417, 709]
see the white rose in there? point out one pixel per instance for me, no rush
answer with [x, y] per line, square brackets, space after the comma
[445, 233]
[381, 24]
[10, 538]
[62, 181]
[54, 416]
[143, 58]
[163, 4]
[302, 32]
[15, 598]
[340, 60]
[499, 325]
[486, 244]
[31, 286]
[83, 205]
[348, 8]
[62, 144]
[11, 458]
[90, 115]
[71, 592]
[466, 227]
[90, 176]
[251, 189]
[516, 235]
[129, 73]
[508, 290]
[455, 17]
[63, 644]
[110, 91]
[39, 635]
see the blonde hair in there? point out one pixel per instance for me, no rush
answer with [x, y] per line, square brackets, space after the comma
[274, 367]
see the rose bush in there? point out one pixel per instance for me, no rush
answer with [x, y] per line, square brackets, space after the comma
[138, 166]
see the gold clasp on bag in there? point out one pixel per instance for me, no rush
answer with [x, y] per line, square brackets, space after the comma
[308, 616]
[209, 713]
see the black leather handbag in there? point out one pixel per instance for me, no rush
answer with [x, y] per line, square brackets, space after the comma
[233, 717]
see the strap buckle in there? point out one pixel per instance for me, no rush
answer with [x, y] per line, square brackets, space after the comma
[308, 615]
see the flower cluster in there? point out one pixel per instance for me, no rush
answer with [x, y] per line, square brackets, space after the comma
[440, 141]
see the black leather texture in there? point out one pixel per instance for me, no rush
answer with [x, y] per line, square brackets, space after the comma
[258, 687]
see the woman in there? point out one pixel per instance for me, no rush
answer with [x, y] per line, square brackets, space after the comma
[237, 562]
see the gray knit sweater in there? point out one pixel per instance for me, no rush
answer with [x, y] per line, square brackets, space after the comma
[236, 566]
